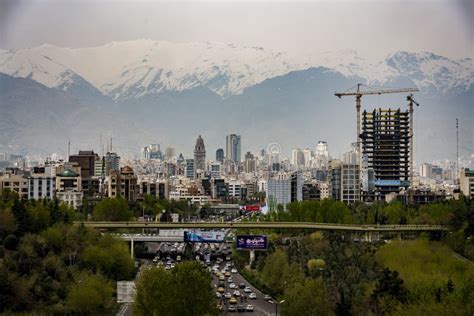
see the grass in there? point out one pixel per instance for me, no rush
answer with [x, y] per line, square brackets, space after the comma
[425, 266]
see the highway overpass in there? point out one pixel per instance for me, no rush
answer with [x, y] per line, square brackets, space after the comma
[267, 225]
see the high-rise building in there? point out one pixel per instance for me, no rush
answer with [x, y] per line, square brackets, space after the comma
[190, 169]
[250, 163]
[220, 155]
[297, 157]
[111, 162]
[334, 179]
[199, 156]
[386, 142]
[466, 182]
[233, 147]
[284, 188]
[170, 152]
[86, 161]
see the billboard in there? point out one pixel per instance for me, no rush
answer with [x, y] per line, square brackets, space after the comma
[200, 236]
[252, 208]
[251, 242]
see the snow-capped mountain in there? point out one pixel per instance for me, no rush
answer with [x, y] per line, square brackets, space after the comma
[133, 69]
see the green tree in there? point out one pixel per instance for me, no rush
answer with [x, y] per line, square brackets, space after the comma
[307, 298]
[91, 294]
[155, 293]
[112, 209]
[194, 285]
[185, 291]
[109, 256]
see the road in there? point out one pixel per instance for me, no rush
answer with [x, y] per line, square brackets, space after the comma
[262, 307]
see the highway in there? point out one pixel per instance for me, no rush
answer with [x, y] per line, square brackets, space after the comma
[266, 225]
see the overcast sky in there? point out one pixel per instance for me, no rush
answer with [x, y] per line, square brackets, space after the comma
[373, 28]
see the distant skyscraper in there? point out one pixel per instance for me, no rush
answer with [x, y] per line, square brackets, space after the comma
[233, 147]
[297, 157]
[220, 155]
[322, 149]
[170, 152]
[190, 169]
[199, 156]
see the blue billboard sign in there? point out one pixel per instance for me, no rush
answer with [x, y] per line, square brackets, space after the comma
[200, 236]
[251, 242]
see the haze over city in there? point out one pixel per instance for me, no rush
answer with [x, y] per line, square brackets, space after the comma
[201, 158]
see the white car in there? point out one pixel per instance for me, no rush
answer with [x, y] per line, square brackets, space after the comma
[249, 308]
[248, 290]
[236, 293]
[218, 295]
[234, 270]
[232, 286]
[253, 296]
[228, 295]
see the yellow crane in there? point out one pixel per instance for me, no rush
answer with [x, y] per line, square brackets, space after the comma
[358, 95]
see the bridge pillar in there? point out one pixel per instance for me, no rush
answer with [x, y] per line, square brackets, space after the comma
[131, 247]
[252, 256]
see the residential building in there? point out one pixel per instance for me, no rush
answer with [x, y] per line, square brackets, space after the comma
[122, 183]
[466, 182]
[220, 155]
[283, 189]
[41, 184]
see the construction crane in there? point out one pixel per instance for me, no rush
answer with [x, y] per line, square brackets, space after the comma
[358, 95]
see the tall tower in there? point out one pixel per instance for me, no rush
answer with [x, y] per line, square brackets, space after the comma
[233, 147]
[386, 143]
[199, 156]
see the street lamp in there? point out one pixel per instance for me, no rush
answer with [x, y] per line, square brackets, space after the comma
[276, 306]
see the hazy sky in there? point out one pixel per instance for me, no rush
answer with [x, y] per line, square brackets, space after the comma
[373, 28]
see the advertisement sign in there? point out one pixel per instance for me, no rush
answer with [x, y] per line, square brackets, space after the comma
[201, 236]
[252, 208]
[251, 242]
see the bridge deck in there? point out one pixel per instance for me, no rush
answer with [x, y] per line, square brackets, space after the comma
[267, 225]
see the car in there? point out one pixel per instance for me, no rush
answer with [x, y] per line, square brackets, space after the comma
[234, 271]
[221, 289]
[227, 274]
[236, 293]
[247, 290]
[228, 295]
[249, 308]
[231, 308]
[221, 277]
[240, 308]
[252, 296]
[218, 295]
[221, 283]
[232, 286]
[227, 258]
[232, 300]
[230, 279]
[267, 297]
[242, 285]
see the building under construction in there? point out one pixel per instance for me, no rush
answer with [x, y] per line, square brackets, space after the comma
[385, 141]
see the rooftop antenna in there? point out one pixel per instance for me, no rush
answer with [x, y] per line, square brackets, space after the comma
[101, 146]
[68, 148]
[110, 143]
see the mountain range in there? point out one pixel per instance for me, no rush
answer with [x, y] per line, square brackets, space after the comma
[147, 91]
